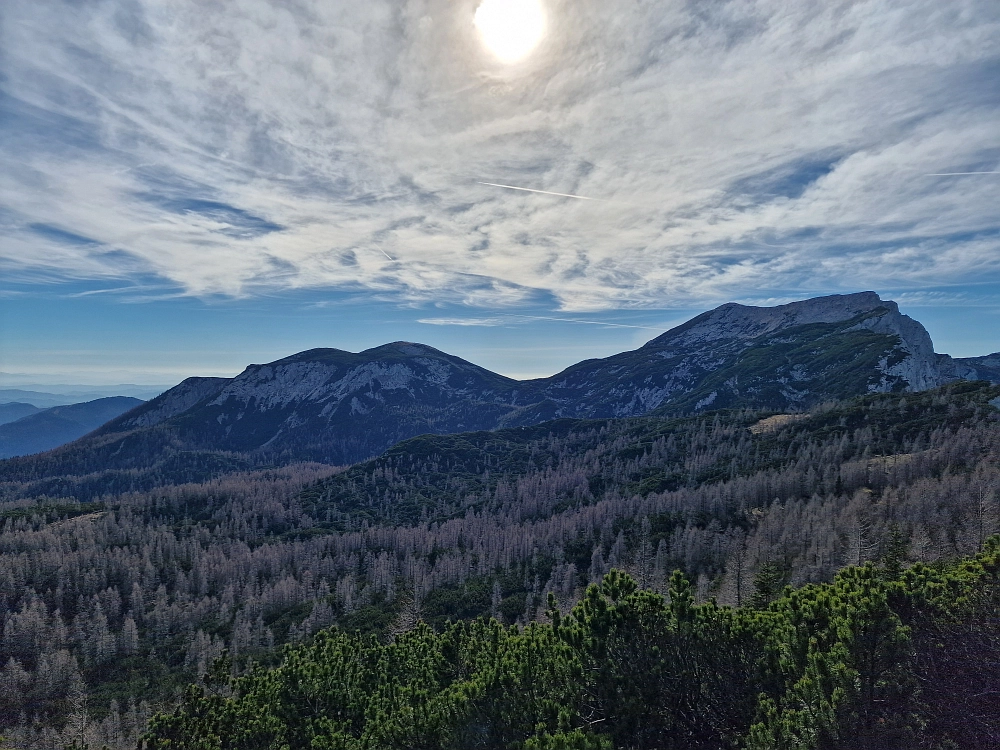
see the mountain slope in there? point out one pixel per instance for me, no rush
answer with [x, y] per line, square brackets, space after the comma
[14, 411]
[332, 405]
[566, 463]
[53, 427]
[339, 407]
[786, 357]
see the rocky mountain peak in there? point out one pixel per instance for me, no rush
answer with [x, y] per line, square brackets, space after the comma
[735, 321]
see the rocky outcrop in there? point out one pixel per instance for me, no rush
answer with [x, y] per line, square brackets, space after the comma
[975, 368]
[177, 400]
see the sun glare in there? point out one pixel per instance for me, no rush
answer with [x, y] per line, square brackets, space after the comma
[510, 29]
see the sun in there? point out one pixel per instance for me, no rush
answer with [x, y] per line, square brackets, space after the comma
[510, 28]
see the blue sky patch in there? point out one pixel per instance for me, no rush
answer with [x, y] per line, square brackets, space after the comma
[788, 180]
[239, 224]
[62, 236]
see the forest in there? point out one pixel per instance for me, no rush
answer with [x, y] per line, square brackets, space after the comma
[111, 603]
[878, 659]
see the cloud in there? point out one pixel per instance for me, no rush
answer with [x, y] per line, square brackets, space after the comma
[516, 318]
[61, 235]
[934, 298]
[228, 220]
[745, 149]
[486, 322]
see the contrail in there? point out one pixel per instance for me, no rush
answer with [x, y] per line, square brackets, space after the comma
[543, 192]
[384, 252]
[955, 174]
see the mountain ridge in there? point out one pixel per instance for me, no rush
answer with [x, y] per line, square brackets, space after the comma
[340, 407]
[15, 410]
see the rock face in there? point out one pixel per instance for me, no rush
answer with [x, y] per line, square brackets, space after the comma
[176, 401]
[341, 407]
[973, 368]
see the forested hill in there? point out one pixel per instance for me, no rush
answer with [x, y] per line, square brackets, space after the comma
[434, 478]
[339, 407]
[125, 598]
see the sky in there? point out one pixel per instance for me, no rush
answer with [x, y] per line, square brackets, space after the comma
[190, 186]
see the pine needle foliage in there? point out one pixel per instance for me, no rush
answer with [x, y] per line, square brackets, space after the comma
[843, 665]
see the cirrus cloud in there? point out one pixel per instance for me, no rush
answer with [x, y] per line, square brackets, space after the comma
[738, 148]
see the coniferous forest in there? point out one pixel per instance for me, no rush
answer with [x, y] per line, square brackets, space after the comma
[878, 658]
[732, 579]
[499, 375]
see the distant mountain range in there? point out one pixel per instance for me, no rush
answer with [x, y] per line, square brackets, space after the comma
[45, 396]
[90, 392]
[42, 430]
[339, 407]
[11, 412]
[38, 399]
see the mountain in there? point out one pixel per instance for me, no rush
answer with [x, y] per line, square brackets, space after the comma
[333, 405]
[986, 368]
[40, 399]
[339, 407]
[786, 357]
[48, 429]
[14, 411]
